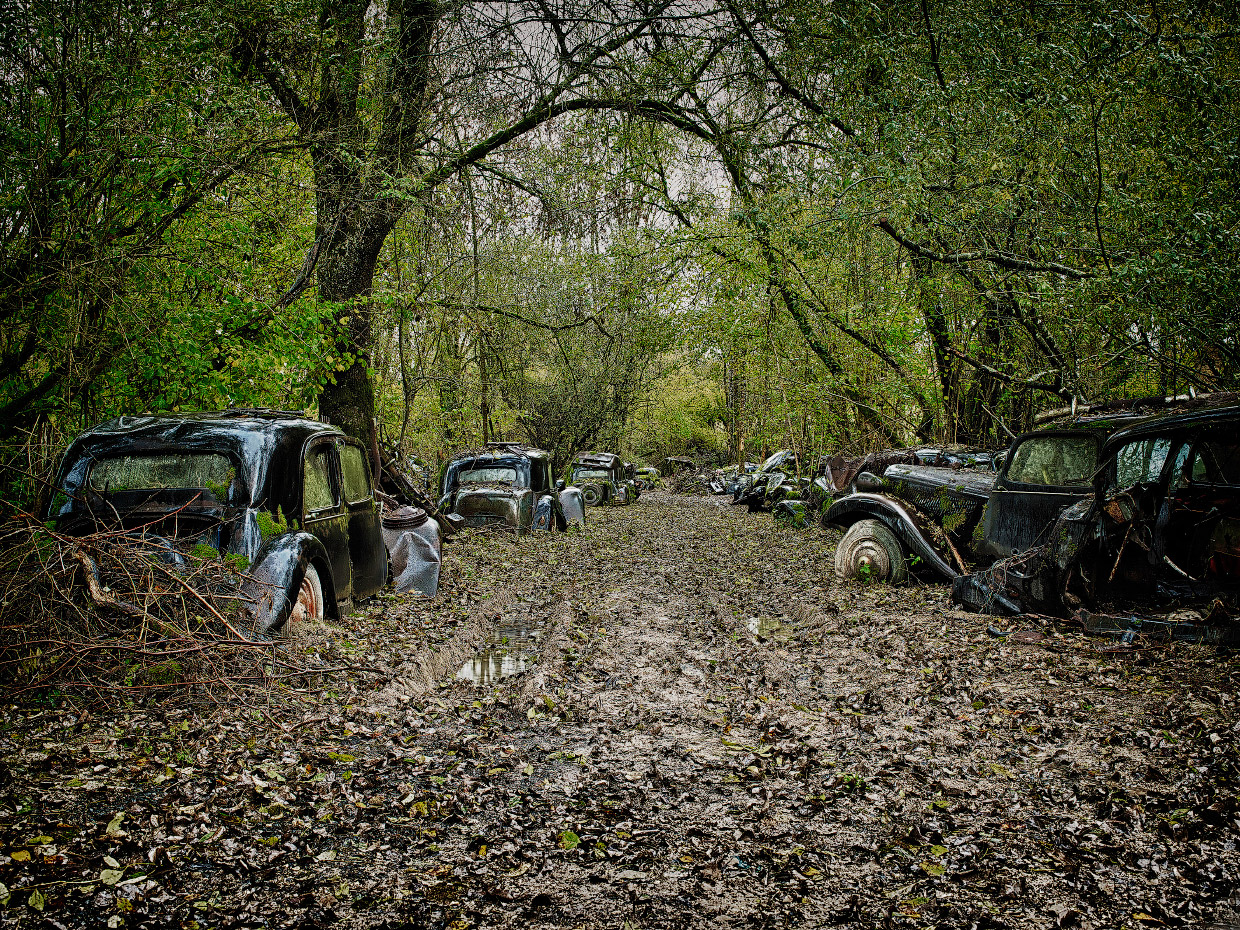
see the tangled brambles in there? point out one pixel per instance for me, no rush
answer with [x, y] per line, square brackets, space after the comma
[114, 614]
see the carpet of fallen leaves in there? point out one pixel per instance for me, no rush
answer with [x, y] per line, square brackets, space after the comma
[708, 731]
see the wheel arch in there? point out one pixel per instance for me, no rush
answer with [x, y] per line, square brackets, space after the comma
[866, 506]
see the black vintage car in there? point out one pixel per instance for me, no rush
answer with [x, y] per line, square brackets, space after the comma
[1160, 527]
[941, 521]
[291, 499]
[511, 485]
[603, 479]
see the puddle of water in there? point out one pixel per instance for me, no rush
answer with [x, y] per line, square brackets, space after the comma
[509, 652]
[768, 627]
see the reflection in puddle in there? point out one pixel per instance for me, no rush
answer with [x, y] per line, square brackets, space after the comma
[509, 652]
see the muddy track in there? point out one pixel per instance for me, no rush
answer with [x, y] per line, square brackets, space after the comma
[703, 730]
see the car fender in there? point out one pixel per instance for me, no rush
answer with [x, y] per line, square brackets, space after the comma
[899, 519]
[270, 590]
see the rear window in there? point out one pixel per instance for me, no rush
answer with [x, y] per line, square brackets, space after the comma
[1141, 461]
[207, 471]
[491, 475]
[1054, 461]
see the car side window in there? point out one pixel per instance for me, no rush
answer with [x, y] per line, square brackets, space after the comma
[354, 473]
[1215, 460]
[318, 488]
[1141, 461]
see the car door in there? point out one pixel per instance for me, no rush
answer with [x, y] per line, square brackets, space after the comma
[322, 513]
[1043, 474]
[366, 550]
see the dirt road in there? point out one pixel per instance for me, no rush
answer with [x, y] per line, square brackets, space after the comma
[700, 728]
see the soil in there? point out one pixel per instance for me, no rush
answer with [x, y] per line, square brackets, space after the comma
[702, 729]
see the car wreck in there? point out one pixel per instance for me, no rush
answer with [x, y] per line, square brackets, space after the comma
[941, 520]
[510, 485]
[1159, 528]
[775, 480]
[603, 479]
[288, 500]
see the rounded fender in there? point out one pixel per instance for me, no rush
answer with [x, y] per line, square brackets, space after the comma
[895, 516]
[270, 590]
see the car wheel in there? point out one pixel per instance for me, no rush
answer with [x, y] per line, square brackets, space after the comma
[309, 606]
[869, 551]
[592, 494]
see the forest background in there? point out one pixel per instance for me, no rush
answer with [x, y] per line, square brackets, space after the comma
[655, 226]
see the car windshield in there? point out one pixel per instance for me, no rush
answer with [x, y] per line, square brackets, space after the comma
[586, 473]
[491, 474]
[1055, 461]
[185, 471]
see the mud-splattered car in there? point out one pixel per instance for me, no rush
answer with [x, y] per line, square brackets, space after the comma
[1160, 527]
[288, 500]
[603, 479]
[940, 521]
[510, 485]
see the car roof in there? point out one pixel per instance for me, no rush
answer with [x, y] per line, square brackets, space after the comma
[1174, 423]
[606, 459]
[246, 431]
[499, 450]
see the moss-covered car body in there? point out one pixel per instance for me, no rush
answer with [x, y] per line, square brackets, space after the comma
[775, 480]
[1160, 527]
[509, 485]
[269, 490]
[946, 520]
[603, 479]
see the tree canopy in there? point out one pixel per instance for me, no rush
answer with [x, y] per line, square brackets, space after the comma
[659, 227]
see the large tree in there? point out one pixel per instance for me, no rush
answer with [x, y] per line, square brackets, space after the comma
[393, 99]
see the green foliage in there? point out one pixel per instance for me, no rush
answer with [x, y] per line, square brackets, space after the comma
[204, 551]
[237, 561]
[270, 526]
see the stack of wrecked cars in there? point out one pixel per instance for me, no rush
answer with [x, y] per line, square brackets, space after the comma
[773, 481]
[1104, 509]
[509, 485]
[287, 500]
[603, 478]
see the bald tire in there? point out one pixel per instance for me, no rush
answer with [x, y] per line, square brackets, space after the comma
[869, 542]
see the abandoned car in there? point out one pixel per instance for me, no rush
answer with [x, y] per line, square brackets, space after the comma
[939, 521]
[289, 499]
[647, 478]
[1160, 527]
[603, 479]
[511, 485]
[775, 480]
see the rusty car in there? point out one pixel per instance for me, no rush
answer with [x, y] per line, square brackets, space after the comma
[941, 520]
[287, 499]
[1159, 527]
[603, 479]
[509, 485]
